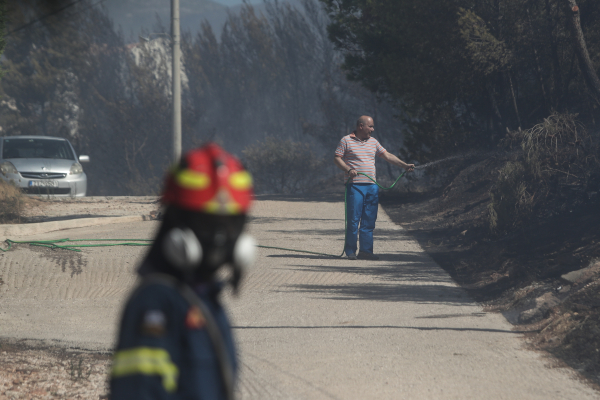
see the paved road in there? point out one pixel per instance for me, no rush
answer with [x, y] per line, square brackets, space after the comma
[308, 327]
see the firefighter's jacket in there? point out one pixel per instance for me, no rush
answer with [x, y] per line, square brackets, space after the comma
[164, 350]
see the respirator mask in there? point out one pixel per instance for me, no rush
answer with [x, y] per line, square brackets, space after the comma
[199, 251]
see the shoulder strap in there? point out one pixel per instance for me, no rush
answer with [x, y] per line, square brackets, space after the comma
[212, 328]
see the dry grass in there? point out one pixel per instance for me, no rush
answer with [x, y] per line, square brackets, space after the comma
[12, 202]
[557, 169]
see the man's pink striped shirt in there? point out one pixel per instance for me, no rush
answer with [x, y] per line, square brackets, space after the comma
[360, 155]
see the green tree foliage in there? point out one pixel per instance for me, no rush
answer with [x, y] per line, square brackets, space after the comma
[71, 75]
[39, 75]
[488, 54]
[465, 71]
[276, 74]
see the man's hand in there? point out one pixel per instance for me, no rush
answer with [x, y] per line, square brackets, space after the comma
[392, 159]
[352, 173]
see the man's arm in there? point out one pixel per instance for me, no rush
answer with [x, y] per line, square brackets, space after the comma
[343, 166]
[392, 159]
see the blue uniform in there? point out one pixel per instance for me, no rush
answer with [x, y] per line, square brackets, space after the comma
[164, 350]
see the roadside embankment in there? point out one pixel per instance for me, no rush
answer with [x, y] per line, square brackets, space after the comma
[543, 276]
[35, 215]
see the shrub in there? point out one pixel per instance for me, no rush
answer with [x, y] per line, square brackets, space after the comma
[556, 167]
[283, 166]
[11, 201]
[560, 145]
[511, 199]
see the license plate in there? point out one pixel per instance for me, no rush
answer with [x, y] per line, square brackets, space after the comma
[43, 184]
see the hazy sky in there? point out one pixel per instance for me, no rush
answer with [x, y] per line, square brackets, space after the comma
[134, 15]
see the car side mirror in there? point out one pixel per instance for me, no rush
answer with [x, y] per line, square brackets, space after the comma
[84, 158]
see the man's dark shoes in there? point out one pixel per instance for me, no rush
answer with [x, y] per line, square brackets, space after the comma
[367, 256]
[352, 256]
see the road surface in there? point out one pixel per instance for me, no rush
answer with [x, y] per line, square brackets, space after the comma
[308, 326]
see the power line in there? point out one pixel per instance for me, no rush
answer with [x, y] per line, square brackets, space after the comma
[51, 14]
[44, 17]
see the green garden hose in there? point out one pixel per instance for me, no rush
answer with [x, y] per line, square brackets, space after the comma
[52, 244]
[59, 243]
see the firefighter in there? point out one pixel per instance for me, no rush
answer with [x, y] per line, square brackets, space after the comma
[175, 340]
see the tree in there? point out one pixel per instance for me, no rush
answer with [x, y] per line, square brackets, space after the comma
[465, 71]
[71, 75]
[579, 44]
[3, 16]
[276, 74]
[39, 75]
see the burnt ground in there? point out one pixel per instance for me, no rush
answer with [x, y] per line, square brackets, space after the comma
[30, 370]
[522, 274]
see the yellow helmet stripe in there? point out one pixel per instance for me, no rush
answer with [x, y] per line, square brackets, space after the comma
[192, 179]
[241, 180]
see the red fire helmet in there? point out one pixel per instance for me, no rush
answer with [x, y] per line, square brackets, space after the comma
[209, 180]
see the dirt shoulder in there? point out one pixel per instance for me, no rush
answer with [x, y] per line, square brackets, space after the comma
[31, 370]
[46, 210]
[543, 278]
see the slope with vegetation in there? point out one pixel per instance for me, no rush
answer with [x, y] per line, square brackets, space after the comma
[522, 238]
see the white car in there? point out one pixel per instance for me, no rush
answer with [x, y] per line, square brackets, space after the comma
[43, 165]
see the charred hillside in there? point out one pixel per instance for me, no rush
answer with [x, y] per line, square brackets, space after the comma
[536, 261]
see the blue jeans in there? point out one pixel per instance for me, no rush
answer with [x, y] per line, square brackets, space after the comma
[362, 201]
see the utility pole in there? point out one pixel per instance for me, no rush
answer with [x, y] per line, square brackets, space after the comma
[176, 43]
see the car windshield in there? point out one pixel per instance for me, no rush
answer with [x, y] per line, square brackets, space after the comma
[37, 148]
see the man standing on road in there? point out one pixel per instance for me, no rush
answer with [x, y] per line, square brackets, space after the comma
[356, 154]
[175, 340]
